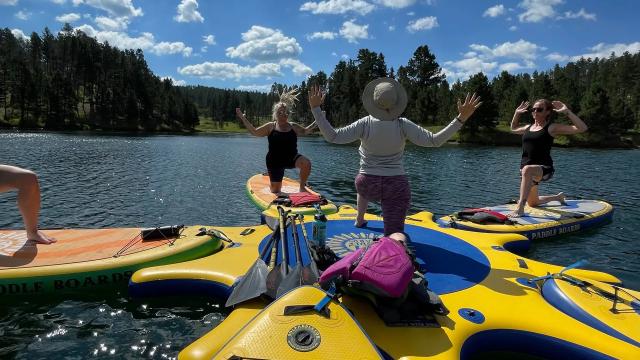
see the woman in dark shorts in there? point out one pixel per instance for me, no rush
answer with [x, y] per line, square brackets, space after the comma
[536, 164]
[283, 141]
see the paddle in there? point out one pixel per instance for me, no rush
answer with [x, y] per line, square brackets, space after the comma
[295, 277]
[310, 272]
[253, 283]
[277, 273]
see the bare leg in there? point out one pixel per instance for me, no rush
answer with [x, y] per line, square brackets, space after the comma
[362, 209]
[547, 198]
[304, 165]
[26, 182]
[529, 174]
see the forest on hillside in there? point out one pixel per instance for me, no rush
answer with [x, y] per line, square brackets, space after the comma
[71, 81]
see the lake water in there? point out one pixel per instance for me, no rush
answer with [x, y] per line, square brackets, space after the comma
[141, 181]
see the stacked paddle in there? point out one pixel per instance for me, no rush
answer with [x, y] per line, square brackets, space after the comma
[276, 279]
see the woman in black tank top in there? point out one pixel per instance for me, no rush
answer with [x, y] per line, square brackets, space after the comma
[282, 136]
[536, 164]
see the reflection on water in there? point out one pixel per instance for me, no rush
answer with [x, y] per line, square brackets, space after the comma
[120, 181]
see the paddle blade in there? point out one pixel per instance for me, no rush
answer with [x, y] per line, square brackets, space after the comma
[274, 278]
[310, 274]
[252, 285]
[291, 281]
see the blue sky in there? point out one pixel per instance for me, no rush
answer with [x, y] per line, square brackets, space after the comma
[249, 44]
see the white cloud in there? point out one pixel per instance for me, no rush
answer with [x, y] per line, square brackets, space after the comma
[118, 8]
[392, 28]
[487, 59]
[600, 50]
[425, 23]
[109, 24]
[59, 2]
[68, 18]
[494, 11]
[209, 39]
[204, 49]
[538, 10]
[19, 34]
[324, 35]
[465, 68]
[258, 88]
[510, 67]
[396, 4]
[188, 12]
[8, 2]
[145, 41]
[520, 49]
[119, 39]
[344, 57]
[513, 28]
[352, 31]
[297, 67]
[556, 57]
[23, 15]
[265, 44]
[174, 81]
[603, 50]
[169, 48]
[338, 7]
[224, 71]
[580, 14]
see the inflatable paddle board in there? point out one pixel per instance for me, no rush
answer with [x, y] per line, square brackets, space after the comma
[259, 191]
[85, 260]
[545, 221]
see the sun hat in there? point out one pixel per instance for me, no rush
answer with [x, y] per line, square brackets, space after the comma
[384, 98]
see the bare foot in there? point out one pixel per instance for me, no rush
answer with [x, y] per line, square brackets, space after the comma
[41, 238]
[561, 198]
[304, 189]
[360, 224]
[516, 214]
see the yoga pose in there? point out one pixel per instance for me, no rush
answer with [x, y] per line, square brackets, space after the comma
[536, 164]
[382, 137]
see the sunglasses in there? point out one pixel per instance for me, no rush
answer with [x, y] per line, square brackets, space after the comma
[537, 109]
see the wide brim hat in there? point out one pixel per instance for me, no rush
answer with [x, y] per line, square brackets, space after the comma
[384, 99]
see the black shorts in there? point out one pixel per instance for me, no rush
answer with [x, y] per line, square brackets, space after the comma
[276, 170]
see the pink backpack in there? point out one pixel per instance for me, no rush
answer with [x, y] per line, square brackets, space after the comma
[383, 268]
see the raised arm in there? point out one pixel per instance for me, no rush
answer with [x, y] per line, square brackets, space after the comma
[301, 130]
[516, 128]
[423, 137]
[577, 125]
[343, 135]
[263, 130]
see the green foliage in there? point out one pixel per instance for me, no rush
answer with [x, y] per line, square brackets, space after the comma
[70, 81]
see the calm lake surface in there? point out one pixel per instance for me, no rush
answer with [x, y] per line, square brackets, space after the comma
[100, 181]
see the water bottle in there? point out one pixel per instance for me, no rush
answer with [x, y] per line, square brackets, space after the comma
[319, 229]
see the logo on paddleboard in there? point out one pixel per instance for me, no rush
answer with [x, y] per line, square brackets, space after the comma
[11, 242]
[303, 338]
[347, 242]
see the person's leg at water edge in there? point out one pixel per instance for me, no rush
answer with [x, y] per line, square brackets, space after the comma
[26, 183]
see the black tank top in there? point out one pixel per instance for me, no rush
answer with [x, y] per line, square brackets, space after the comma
[536, 147]
[283, 148]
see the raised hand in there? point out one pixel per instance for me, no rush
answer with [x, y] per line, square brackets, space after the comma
[316, 96]
[466, 109]
[559, 107]
[240, 114]
[522, 108]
